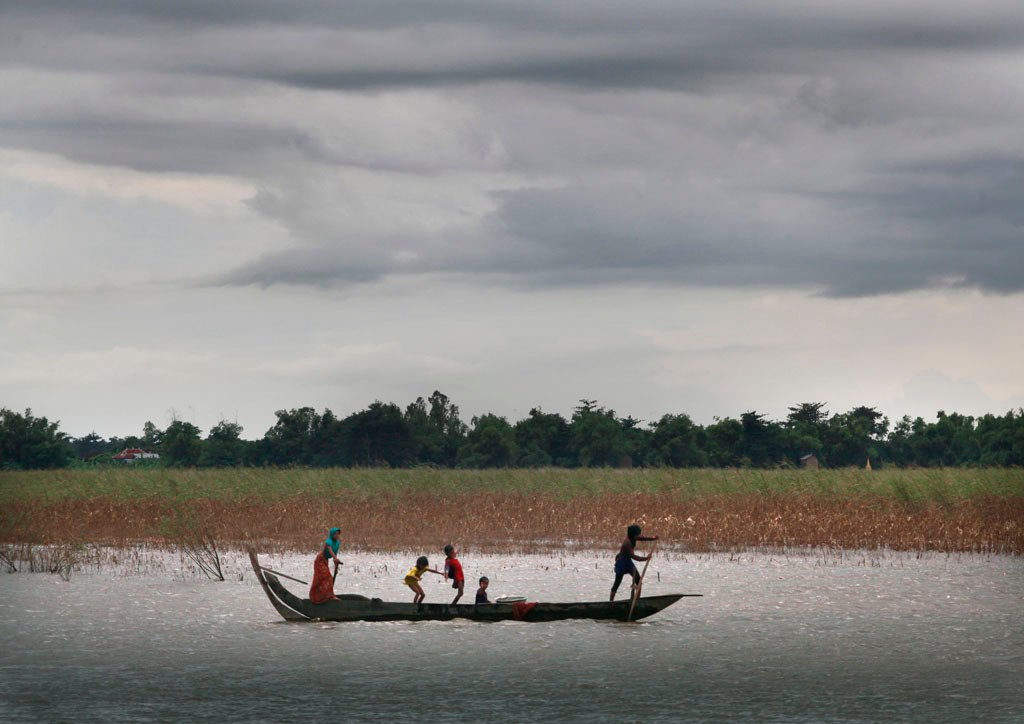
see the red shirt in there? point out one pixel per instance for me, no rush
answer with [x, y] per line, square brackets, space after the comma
[454, 569]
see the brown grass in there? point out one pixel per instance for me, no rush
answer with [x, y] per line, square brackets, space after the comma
[496, 521]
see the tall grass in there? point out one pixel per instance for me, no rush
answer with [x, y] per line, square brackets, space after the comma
[942, 485]
[944, 509]
[512, 521]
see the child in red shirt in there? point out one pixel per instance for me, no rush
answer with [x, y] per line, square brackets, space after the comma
[453, 570]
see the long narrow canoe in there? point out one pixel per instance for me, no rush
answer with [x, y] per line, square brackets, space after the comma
[351, 607]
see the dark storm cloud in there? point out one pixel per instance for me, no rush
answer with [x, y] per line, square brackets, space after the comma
[665, 70]
[849, 149]
[670, 55]
[160, 146]
[829, 25]
[655, 44]
[966, 218]
[957, 237]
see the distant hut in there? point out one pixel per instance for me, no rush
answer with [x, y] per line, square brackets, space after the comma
[131, 454]
[809, 462]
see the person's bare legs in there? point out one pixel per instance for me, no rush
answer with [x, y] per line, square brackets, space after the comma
[420, 595]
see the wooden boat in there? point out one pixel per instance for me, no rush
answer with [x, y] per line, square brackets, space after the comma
[352, 607]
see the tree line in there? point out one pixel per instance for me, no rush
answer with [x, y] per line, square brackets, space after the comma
[430, 432]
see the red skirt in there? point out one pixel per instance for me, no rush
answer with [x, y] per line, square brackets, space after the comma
[322, 588]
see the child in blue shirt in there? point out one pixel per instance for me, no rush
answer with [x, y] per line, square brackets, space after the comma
[481, 593]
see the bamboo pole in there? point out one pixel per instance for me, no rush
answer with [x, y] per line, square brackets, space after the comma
[640, 583]
[283, 575]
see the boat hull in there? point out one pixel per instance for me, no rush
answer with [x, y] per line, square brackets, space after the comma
[360, 608]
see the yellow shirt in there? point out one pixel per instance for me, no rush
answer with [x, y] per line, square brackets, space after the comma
[414, 575]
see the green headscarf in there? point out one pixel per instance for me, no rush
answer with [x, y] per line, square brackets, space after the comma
[334, 544]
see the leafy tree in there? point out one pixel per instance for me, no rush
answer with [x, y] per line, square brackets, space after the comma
[724, 436]
[181, 446]
[804, 430]
[491, 443]
[637, 439]
[878, 424]
[437, 429]
[327, 444]
[447, 430]
[596, 437]
[853, 437]
[813, 414]
[117, 444]
[953, 439]
[379, 435]
[152, 436]
[430, 431]
[760, 442]
[89, 446]
[542, 439]
[676, 442]
[31, 443]
[1001, 438]
[955, 433]
[426, 437]
[290, 440]
[223, 446]
[899, 448]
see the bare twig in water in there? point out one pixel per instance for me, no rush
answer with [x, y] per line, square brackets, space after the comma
[202, 550]
[195, 541]
[63, 560]
[7, 558]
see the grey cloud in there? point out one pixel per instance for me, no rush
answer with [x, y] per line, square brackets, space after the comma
[566, 238]
[665, 57]
[322, 268]
[647, 143]
[160, 146]
[961, 223]
[911, 24]
[664, 70]
[990, 187]
[581, 44]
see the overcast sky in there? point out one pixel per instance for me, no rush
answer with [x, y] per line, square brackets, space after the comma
[217, 210]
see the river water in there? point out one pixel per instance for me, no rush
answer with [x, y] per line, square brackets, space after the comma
[834, 636]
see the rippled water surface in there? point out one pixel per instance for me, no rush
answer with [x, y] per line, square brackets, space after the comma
[812, 637]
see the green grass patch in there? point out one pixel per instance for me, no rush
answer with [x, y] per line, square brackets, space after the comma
[943, 485]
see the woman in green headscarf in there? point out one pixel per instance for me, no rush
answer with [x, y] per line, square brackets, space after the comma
[322, 588]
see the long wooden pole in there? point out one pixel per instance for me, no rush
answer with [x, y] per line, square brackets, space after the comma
[284, 575]
[640, 583]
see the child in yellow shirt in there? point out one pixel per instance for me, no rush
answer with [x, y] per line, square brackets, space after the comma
[412, 578]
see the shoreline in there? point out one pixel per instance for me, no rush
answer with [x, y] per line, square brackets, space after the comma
[144, 560]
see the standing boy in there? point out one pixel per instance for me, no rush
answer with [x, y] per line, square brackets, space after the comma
[627, 554]
[453, 570]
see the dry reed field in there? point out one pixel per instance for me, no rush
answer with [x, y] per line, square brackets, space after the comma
[978, 510]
